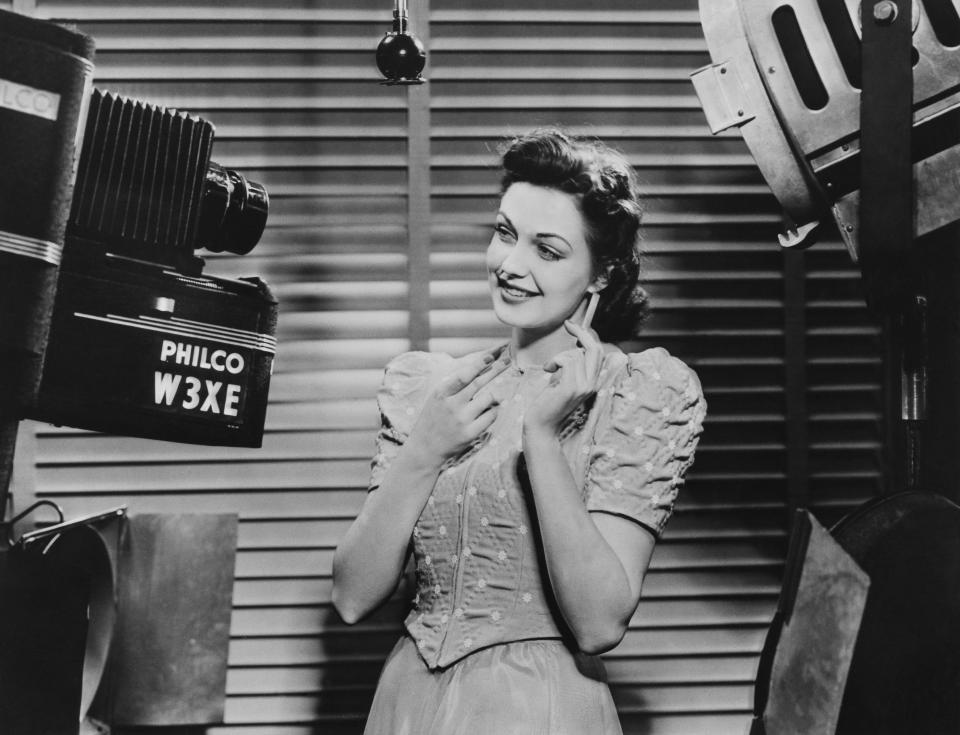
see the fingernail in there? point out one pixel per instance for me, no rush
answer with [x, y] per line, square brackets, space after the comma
[487, 359]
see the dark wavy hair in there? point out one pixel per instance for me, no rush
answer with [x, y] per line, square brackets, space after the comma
[606, 187]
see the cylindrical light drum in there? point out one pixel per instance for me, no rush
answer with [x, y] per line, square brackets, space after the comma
[46, 72]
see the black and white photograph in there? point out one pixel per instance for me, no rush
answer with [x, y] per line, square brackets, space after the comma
[480, 367]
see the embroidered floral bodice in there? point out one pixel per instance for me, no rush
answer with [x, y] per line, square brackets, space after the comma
[480, 580]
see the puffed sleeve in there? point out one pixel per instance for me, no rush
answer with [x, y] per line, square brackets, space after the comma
[399, 398]
[644, 444]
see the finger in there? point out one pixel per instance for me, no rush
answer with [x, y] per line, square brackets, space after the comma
[594, 360]
[587, 338]
[580, 364]
[593, 347]
[565, 381]
[464, 375]
[577, 373]
[591, 309]
[480, 404]
[563, 359]
[485, 377]
[483, 422]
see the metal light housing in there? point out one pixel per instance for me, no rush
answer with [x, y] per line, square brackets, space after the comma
[787, 74]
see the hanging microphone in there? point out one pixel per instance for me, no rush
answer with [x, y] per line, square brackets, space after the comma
[401, 56]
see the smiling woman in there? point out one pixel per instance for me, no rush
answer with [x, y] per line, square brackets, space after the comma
[602, 209]
[538, 260]
[529, 482]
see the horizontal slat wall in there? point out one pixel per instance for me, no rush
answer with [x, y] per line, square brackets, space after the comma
[716, 281]
[845, 391]
[294, 96]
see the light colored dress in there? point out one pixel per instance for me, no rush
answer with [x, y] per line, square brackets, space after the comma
[486, 650]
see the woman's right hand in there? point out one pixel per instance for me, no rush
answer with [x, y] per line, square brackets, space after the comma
[457, 411]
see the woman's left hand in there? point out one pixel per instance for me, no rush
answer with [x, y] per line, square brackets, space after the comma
[574, 380]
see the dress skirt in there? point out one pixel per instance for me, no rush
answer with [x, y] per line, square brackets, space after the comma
[535, 687]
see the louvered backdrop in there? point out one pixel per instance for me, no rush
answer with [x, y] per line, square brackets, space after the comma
[349, 165]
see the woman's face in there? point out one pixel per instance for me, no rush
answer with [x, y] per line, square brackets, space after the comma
[538, 262]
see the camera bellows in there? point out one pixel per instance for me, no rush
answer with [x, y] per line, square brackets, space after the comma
[140, 176]
[146, 186]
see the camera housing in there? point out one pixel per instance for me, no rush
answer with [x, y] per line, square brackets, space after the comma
[141, 342]
[107, 321]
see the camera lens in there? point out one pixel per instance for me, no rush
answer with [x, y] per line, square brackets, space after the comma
[233, 211]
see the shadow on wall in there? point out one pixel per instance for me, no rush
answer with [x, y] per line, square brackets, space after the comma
[354, 657]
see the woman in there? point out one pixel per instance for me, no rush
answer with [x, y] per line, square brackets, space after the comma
[531, 481]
